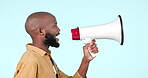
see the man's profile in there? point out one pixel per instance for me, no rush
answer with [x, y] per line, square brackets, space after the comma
[37, 61]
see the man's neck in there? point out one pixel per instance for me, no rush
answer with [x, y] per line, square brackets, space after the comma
[41, 46]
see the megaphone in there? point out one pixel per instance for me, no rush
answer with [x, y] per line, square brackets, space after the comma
[112, 30]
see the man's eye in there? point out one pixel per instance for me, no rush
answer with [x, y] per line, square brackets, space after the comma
[55, 26]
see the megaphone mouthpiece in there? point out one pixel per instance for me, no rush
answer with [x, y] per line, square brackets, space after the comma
[75, 34]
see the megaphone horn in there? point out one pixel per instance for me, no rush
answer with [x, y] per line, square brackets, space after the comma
[112, 30]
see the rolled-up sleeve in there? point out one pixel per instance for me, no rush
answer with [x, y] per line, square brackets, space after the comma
[77, 75]
[63, 75]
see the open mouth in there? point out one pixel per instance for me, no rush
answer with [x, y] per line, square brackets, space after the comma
[57, 39]
[57, 34]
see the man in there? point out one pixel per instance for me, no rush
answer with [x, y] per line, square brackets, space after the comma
[37, 61]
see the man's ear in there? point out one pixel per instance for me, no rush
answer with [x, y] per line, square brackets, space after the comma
[41, 31]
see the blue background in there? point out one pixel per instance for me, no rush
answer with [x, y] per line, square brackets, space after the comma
[113, 60]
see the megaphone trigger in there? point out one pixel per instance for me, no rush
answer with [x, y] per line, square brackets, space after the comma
[88, 40]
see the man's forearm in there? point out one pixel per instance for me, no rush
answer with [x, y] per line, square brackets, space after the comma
[83, 68]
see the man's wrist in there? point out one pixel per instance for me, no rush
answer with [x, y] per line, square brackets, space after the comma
[85, 60]
[83, 67]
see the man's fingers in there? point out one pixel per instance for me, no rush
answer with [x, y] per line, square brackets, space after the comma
[93, 47]
[92, 43]
[94, 50]
[87, 45]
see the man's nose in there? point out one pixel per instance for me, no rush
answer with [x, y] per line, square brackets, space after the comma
[59, 29]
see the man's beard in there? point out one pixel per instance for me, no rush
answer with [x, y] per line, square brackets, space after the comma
[51, 41]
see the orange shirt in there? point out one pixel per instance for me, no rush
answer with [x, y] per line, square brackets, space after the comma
[36, 63]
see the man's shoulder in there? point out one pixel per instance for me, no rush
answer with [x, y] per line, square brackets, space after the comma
[29, 56]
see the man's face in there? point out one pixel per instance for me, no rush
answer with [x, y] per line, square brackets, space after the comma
[52, 31]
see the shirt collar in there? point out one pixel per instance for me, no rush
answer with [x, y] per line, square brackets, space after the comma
[41, 52]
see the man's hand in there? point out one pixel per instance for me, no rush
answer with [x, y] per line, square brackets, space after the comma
[87, 57]
[92, 47]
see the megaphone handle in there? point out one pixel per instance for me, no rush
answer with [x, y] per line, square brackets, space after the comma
[88, 40]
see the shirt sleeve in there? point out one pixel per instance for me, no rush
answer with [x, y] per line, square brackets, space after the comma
[26, 69]
[63, 75]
